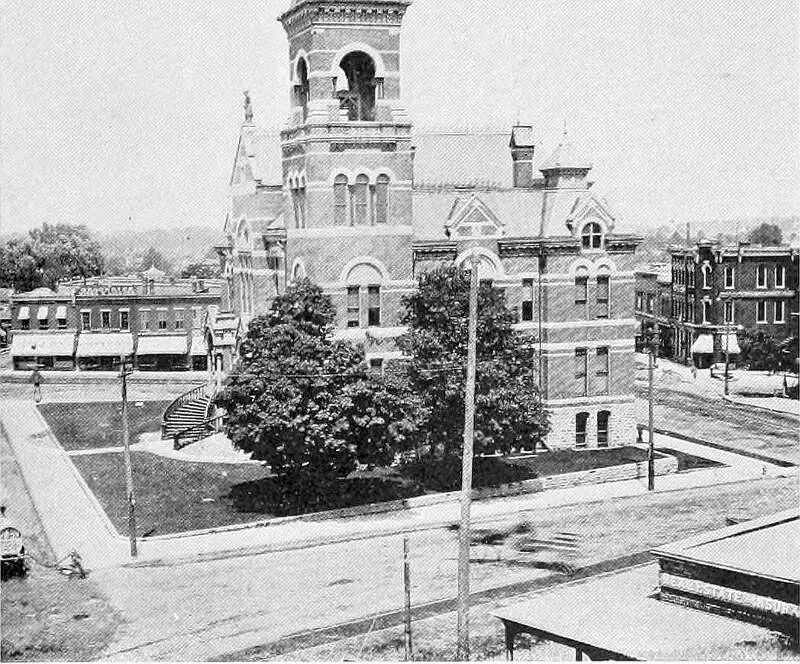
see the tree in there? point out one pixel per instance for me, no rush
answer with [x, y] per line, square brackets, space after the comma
[201, 271]
[154, 258]
[508, 408]
[766, 234]
[49, 254]
[305, 403]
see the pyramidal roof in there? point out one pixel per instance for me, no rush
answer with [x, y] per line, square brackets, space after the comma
[565, 156]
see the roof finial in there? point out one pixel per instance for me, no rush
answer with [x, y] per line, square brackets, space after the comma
[248, 108]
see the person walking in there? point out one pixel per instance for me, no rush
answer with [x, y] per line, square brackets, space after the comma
[694, 373]
[36, 379]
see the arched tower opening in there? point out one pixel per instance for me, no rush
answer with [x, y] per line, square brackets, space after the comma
[358, 96]
[301, 89]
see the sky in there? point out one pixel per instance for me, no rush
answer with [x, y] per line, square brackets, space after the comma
[120, 114]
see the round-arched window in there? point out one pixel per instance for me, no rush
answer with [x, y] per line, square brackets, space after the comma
[592, 236]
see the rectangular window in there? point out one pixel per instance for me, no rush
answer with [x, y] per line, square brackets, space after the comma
[44, 323]
[581, 382]
[780, 276]
[729, 312]
[124, 320]
[62, 323]
[162, 319]
[581, 289]
[179, 319]
[144, 319]
[690, 271]
[650, 300]
[639, 300]
[779, 312]
[360, 200]
[353, 306]
[86, 320]
[601, 371]
[761, 311]
[761, 276]
[527, 299]
[729, 274]
[25, 324]
[376, 365]
[706, 311]
[602, 296]
[581, 419]
[706, 277]
[381, 199]
[105, 319]
[374, 306]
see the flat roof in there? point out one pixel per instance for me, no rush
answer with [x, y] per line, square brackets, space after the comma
[618, 613]
[767, 547]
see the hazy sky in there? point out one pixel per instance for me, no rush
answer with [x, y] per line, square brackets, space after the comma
[689, 110]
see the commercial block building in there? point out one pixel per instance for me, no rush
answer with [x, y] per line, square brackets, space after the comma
[348, 196]
[90, 324]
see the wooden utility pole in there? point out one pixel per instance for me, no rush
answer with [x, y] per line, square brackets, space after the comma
[651, 461]
[726, 389]
[466, 468]
[407, 589]
[126, 444]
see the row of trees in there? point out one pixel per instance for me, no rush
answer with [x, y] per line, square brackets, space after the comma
[57, 252]
[307, 404]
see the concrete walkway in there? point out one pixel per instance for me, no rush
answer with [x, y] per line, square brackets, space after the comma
[73, 518]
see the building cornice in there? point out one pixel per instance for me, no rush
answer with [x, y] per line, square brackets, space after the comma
[306, 13]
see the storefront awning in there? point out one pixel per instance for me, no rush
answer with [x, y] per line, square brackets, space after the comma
[161, 345]
[52, 344]
[199, 346]
[731, 345]
[42, 313]
[24, 313]
[704, 344]
[61, 311]
[113, 344]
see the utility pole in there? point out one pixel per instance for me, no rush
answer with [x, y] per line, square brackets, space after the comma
[125, 371]
[651, 461]
[466, 468]
[407, 592]
[727, 356]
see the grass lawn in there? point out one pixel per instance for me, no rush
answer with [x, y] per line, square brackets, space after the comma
[688, 461]
[569, 461]
[80, 426]
[47, 616]
[171, 496]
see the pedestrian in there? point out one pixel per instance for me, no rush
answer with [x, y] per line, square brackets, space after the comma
[36, 379]
[694, 373]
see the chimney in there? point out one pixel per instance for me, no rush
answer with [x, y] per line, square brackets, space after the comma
[522, 150]
[688, 234]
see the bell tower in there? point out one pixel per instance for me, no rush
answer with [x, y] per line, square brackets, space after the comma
[346, 148]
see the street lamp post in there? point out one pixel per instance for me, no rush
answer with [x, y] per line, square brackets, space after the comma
[651, 461]
[126, 371]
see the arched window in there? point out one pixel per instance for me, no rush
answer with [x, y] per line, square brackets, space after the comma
[381, 199]
[592, 236]
[301, 87]
[360, 200]
[603, 418]
[340, 200]
[358, 96]
[581, 420]
[706, 276]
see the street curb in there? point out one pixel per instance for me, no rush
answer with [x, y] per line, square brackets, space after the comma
[783, 463]
[758, 407]
[324, 635]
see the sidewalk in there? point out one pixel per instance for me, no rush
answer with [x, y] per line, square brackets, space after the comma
[73, 518]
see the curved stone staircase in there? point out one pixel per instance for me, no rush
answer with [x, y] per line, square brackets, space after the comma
[190, 418]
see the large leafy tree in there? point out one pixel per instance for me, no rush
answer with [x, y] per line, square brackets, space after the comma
[508, 408]
[48, 255]
[306, 404]
[766, 234]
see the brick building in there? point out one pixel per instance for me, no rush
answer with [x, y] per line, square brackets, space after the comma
[90, 323]
[712, 288]
[348, 196]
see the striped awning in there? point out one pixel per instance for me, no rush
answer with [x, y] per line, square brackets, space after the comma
[199, 347]
[42, 313]
[100, 344]
[24, 313]
[161, 345]
[50, 344]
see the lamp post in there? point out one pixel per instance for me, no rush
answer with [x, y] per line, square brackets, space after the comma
[651, 461]
[126, 371]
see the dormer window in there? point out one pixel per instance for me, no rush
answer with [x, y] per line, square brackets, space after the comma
[592, 236]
